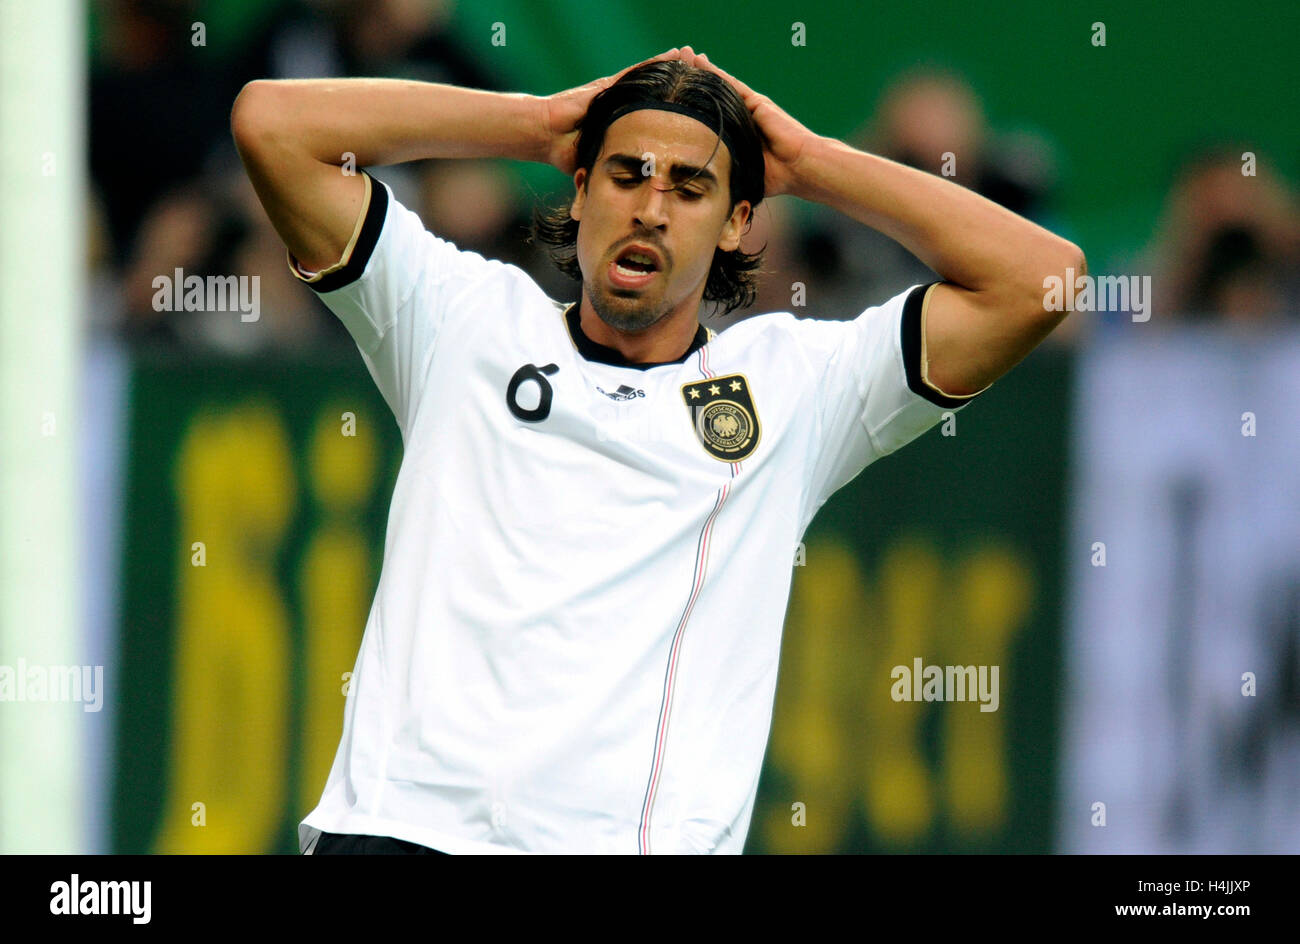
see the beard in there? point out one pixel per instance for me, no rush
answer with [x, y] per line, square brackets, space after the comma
[624, 310]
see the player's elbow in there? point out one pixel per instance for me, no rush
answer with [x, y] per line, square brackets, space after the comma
[1071, 264]
[1073, 258]
[1057, 262]
[250, 115]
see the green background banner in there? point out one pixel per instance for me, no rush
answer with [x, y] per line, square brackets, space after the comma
[257, 498]
[1122, 115]
[949, 550]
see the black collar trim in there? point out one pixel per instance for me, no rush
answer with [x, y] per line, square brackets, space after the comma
[608, 355]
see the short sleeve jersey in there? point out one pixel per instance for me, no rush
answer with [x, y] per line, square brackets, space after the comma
[574, 640]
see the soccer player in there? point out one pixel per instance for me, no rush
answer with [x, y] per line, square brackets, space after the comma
[573, 645]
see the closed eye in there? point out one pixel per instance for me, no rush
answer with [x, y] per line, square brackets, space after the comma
[629, 181]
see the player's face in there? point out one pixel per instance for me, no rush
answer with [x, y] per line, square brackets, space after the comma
[630, 200]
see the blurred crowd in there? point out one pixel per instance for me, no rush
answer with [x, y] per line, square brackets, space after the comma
[168, 191]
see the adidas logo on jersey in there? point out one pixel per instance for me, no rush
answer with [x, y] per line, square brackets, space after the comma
[624, 392]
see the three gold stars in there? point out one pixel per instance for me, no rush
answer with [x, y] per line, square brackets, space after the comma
[714, 390]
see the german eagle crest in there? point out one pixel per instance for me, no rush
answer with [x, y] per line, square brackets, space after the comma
[723, 416]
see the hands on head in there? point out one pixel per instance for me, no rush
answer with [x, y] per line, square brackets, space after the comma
[783, 137]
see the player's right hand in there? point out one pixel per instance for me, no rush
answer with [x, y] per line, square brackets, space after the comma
[562, 111]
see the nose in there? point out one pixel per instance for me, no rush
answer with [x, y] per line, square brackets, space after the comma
[651, 212]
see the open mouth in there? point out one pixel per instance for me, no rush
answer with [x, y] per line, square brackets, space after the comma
[634, 267]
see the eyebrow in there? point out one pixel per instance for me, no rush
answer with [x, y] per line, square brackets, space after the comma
[678, 173]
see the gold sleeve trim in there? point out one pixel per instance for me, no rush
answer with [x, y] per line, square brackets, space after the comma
[925, 358]
[300, 274]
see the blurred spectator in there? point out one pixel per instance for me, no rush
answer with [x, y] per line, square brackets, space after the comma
[220, 229]
[168, 192]
[1228, 246]
[157, 106]
[782, 280]
[407, 39]
[926, 115]
[477, 205]
[932, 121]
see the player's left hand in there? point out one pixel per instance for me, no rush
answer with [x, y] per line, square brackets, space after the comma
[783, 137]
[562, 112]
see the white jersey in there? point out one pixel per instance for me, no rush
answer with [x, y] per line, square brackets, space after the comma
[573, 645]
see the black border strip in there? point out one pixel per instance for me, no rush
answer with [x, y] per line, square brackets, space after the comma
[608, 355]
[911, 338]
[365, 245]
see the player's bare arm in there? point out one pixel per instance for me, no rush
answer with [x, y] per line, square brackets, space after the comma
[990, 313]
[295, 136]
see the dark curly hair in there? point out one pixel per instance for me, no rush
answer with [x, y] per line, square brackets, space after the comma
[732, 276]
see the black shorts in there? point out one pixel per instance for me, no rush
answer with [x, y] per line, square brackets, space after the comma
[354, 844]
